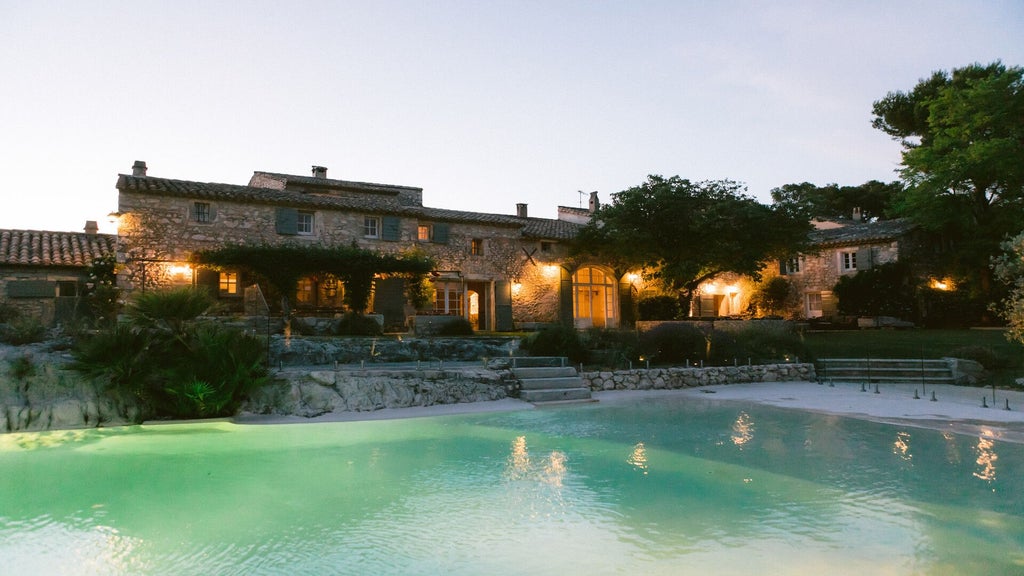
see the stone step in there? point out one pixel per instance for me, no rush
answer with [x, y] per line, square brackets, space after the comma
[881, 370]
[555, 395]
[538, 361]
[881, 363]
[881, 379]
[544, 372]
[573, 381]
[890, 372]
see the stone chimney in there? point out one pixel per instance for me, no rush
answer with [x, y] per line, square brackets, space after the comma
[319, 172]
[856, 214]
[91, 227]
[521, 210]
[139, 168]
[594, 202]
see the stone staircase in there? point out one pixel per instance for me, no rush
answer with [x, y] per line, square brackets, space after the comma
[882, 370]
[546, 380]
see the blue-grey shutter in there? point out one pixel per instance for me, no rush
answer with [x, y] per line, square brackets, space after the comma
[440, 234]
[391, 228]
[782, 267]
[287, 221]
[864, 259]
[566, 314]
[503, 306]
[32, 289]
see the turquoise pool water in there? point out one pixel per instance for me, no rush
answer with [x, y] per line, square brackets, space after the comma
[645, 487]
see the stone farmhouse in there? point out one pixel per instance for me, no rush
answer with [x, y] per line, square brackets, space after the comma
[499, 271]
[42, 273]
[843, 249]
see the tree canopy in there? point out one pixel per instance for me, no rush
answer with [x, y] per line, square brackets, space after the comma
[684, 233]
[834, 202]
[962, 134]
[1009, 267]
[283, 265]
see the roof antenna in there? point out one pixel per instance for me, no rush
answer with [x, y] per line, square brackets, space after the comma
[582, 194]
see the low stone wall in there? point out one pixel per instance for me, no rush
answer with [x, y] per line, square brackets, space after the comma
[674, 378]
[306, 351]
[310, 393]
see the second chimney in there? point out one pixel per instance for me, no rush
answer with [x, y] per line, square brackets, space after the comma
[319, 172]
[139, 168]
[521, 210]
[91, 227]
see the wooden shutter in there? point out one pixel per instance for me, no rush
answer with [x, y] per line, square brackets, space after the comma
[287, 221]
[566, 315]
[391, 228]
[440, 234]
[32, 289]
[503, 306]
[864, 259]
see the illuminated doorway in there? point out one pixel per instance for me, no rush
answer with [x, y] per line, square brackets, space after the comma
[593, 298]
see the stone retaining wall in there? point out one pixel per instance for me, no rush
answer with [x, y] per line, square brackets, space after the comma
[312, 393]
[674, 378]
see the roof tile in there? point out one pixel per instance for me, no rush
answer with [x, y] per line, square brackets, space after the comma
[44, 248]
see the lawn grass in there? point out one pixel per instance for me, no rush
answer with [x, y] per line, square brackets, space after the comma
[921, 344]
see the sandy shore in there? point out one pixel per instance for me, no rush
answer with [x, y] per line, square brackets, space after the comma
[956, 408]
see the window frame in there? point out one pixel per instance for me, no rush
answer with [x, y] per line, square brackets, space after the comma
[225, 282]
[202, 212]
[371, 227]
[302, 218]
[848, 261]
[424, 233]
[476, 247]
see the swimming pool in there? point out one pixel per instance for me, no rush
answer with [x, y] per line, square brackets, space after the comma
[665, 486]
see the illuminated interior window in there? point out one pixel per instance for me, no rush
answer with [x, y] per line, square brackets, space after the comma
[228, 283]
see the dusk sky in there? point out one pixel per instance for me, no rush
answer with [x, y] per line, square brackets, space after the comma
[482, 104]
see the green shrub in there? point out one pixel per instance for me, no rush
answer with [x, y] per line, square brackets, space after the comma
[724, 347]
[170, 309]
[556, 340]
[456, 327]
[770, 341]
[659, 308]
[982, 355]
[170, 366]
[611, 347]
[22, 330]
[674, 343]
[355, 324]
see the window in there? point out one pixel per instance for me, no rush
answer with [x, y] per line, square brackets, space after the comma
[814, 305]
[228, 284]
[201, 212]
[546, 246]
[423, 233]
[304, 223]
[304, 291]
[371, 227]
[476, 247]
[790, 266]
[593, 298]
[448, 297]
[849, 260]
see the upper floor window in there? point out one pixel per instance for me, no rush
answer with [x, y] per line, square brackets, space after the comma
[228, 284]
[849, 260]
[476, 247]
[546, 246]
[790, 266]
[371, 227]
[201, 212]
[423, 233]
[304, 223]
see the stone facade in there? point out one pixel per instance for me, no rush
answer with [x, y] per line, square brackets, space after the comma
[840, 251]
[675, 378]
[495, 270]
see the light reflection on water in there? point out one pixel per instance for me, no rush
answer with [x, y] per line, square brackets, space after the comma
[540, 492]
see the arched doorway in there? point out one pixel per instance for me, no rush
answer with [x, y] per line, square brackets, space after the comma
[593, 298]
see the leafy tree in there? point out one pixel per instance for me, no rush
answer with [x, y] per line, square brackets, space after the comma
[962, 134]
[686, 232]
[1009, 267]
[834, 202]
[101, 291]
[773, 295]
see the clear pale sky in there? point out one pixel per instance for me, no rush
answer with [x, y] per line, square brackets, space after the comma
[482, 104]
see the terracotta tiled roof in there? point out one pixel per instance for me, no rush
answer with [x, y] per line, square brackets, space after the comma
[41, 248]
[865, 233]
[373, 204]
